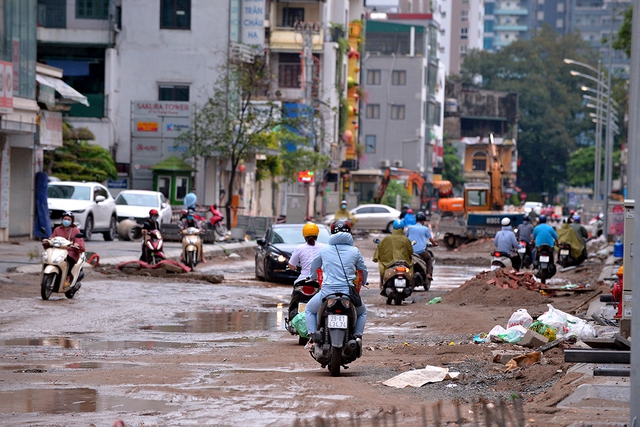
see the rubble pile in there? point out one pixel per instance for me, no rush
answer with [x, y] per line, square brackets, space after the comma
[505, 279]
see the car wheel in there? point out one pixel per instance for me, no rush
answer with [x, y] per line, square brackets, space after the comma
[88, 228]
[111, 234]
[267, 276]
[390, 227]
[258, 275]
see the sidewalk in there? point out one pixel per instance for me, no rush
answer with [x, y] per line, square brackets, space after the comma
[23, 256]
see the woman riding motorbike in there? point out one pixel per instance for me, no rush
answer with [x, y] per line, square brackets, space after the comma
[149, 224]
[69, 231]
[340, 261]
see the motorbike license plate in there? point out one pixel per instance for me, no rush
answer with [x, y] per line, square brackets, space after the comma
[335, 321]
[544, 258]
[522, 250]
[400, 283]
[301, 306]
[564, 252]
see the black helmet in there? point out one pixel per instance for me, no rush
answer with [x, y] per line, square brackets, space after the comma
[340, 227]
[420, 216]
[542, 219]
[69, 213]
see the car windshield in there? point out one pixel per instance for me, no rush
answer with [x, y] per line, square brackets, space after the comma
[293, 235]
[146, 200]
[56, 191]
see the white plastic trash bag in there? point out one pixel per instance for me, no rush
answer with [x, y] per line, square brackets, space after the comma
[556, 319]
[513, 334]
[520, 317]
[493, 334]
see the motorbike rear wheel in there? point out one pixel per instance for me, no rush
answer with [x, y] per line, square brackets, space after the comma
[398, 300]
[334, 366]
[47, 285]
[220, 229]
[543, 275]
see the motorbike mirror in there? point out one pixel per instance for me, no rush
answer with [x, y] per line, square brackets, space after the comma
[80, 235]
[376, 241]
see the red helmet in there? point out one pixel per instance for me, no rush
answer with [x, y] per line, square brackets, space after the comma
[153, 212]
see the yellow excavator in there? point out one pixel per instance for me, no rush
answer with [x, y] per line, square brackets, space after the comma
[479, 213]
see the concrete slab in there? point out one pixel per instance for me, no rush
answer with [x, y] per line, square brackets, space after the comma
[596, 396]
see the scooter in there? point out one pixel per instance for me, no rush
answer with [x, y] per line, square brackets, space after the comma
[564, 257]
[216, 222]
[191, 246]
[55, 269]
[302, 293]
[420, 270]
[544, 267]
[500, 260]
[397, 280]
[153, 245]
[525, 254]
[334, 342]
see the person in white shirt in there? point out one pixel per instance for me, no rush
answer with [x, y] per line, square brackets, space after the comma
[305, 253]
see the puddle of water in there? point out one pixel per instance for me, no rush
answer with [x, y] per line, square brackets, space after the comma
[23, 368]
[223, 321]
[93, 345]
[74, 400]
[98, 365]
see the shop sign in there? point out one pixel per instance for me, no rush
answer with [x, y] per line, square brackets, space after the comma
[6, 87]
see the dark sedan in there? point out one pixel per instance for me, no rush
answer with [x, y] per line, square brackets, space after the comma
[275, 249]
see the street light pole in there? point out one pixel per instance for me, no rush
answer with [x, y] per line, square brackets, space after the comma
[598, 154]
[608, 154]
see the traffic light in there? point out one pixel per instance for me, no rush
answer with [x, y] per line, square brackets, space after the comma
[305, 176]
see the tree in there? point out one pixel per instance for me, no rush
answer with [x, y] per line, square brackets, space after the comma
[77, 160]
[452, 170]
[622, 41]
[393, 189]
[551, 113]
[236, 121]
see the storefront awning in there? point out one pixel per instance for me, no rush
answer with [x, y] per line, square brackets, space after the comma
[66, 92]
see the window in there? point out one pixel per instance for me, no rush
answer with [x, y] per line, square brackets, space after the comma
[373, 77]
[463, 49]
[477, 197]
[370, 144]
[92, 9]
[100, 191]
[464, 15]
[173, 93]
[464, 33]
[399, 78]
[182, 186]
[373, 111]
[291, 15]
[559, 23]
[479, 161]
[379, 210]
[289, 70]
[397, 112]
[175, 14]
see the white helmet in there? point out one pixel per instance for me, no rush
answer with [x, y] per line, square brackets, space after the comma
[506, 221]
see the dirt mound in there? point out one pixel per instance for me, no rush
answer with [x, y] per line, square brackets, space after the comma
[498, 287]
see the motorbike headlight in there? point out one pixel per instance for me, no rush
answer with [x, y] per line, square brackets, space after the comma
[59, 259]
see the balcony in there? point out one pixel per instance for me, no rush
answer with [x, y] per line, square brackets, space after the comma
[287, 39]
[510, 27]
[508, 12]
[74, 37]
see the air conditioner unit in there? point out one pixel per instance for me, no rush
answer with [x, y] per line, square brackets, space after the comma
[385, 163]
[397, 163]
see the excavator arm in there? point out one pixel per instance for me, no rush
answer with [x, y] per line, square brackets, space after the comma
[495, 174]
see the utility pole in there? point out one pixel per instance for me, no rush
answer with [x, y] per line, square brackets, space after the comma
[307, 30]
[597, 189]
[634, 193]
[608, 153]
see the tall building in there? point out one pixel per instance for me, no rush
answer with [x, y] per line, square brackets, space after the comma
[18, 117]
[506, 21]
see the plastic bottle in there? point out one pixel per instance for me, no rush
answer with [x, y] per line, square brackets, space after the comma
[618, 249]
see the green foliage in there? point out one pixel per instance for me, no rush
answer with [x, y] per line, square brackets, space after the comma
[77, 160]
[622, 41]
[395, 188]
[581, 166]
[452, 170]
[551, 114]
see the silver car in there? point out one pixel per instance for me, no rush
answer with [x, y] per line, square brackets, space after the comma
[371, 217]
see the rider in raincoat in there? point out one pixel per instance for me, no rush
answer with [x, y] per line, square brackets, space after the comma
[569, 235]
[343, 214]
[396, 247]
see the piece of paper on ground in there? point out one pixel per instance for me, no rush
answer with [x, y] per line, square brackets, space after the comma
[418, 377]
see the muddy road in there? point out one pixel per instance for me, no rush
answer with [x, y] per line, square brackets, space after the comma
[176, 351]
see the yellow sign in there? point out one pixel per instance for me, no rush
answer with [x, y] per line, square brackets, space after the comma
[147, 126]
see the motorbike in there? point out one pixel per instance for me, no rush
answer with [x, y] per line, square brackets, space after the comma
[216, 222]
[334, 343]
[397, 280]
[153, 244]
[500, 260]
[525, 254]
[544, 267]
[55, 275]
[191, 246]
[303, 291]
[420, 270]
[564, 257]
